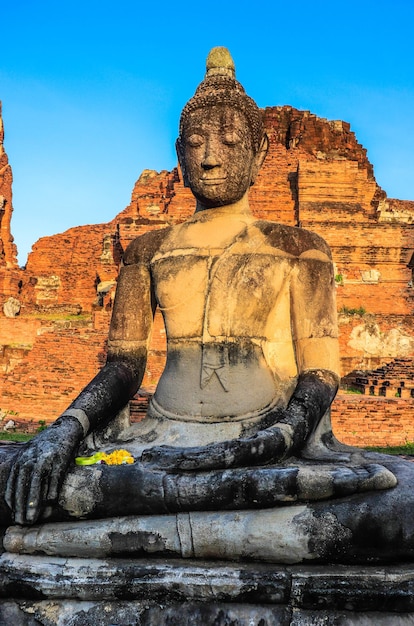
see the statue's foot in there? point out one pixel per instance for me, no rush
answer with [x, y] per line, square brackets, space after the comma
[320, 483]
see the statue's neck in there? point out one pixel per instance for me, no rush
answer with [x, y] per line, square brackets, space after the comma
[239, 208]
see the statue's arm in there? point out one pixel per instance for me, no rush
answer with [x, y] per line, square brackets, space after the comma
[38, 472]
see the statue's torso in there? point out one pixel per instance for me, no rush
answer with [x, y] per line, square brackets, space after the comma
[227, 314]
[224, 287]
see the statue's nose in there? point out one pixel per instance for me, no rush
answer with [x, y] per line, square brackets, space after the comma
[211, 158]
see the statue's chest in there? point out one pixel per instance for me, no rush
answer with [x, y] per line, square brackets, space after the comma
[220, 292]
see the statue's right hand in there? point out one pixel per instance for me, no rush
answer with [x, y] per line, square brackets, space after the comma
[39, 469]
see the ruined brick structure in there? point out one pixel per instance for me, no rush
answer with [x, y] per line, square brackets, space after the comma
[9, 272]
[316, 175]
[8, 250]
[395, 379]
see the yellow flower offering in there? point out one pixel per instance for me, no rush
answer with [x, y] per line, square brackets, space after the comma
[117, 457]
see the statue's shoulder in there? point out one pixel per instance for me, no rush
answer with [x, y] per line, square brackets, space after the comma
[293, 240]
[143, 248]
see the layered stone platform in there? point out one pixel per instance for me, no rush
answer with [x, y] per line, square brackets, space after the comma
[53, 591]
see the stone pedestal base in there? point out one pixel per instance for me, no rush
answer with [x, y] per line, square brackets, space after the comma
[52, 591]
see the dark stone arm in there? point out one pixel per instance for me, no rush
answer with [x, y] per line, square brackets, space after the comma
[108, 392]
[39, 468]
[38, 471]
[313, 395]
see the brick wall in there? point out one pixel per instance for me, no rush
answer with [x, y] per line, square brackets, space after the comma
[19, 330]
[60, 364]
[371, 421]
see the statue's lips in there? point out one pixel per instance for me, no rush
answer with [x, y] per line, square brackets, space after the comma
[212, 181]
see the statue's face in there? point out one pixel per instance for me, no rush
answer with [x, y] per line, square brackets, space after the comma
[217, 155]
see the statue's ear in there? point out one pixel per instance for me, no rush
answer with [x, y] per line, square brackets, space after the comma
[181, 160]
[260, 156]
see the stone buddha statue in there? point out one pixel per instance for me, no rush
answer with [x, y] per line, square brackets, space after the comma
[236, 447]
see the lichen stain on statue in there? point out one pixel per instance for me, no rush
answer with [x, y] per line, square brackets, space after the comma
[236, 457]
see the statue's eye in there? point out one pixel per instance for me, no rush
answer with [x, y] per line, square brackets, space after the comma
[195, 141]
[231, 138]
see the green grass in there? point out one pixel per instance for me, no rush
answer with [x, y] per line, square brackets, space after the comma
[8, 436]
[347, 311]
[352, 390]
[407, 448]
[57, 317]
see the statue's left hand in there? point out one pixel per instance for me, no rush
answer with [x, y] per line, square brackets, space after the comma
[39, 469]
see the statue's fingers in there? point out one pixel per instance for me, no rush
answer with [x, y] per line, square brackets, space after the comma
[55, 479]
[210, 457]
[165, 457]
[52, 488]
[9, 494]
[267, 446]
[35, 494]
[162, 456]
[21, 492]
[213, 456]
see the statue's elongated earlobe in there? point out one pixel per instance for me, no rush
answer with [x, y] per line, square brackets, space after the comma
[181, 160]
[260, 157]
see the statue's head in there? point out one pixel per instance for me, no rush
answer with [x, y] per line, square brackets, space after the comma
[221, 144]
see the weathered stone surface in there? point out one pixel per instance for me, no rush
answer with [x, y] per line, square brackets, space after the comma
[173, 593]
[67, 613]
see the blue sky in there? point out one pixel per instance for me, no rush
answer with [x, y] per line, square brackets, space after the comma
[92, 91]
